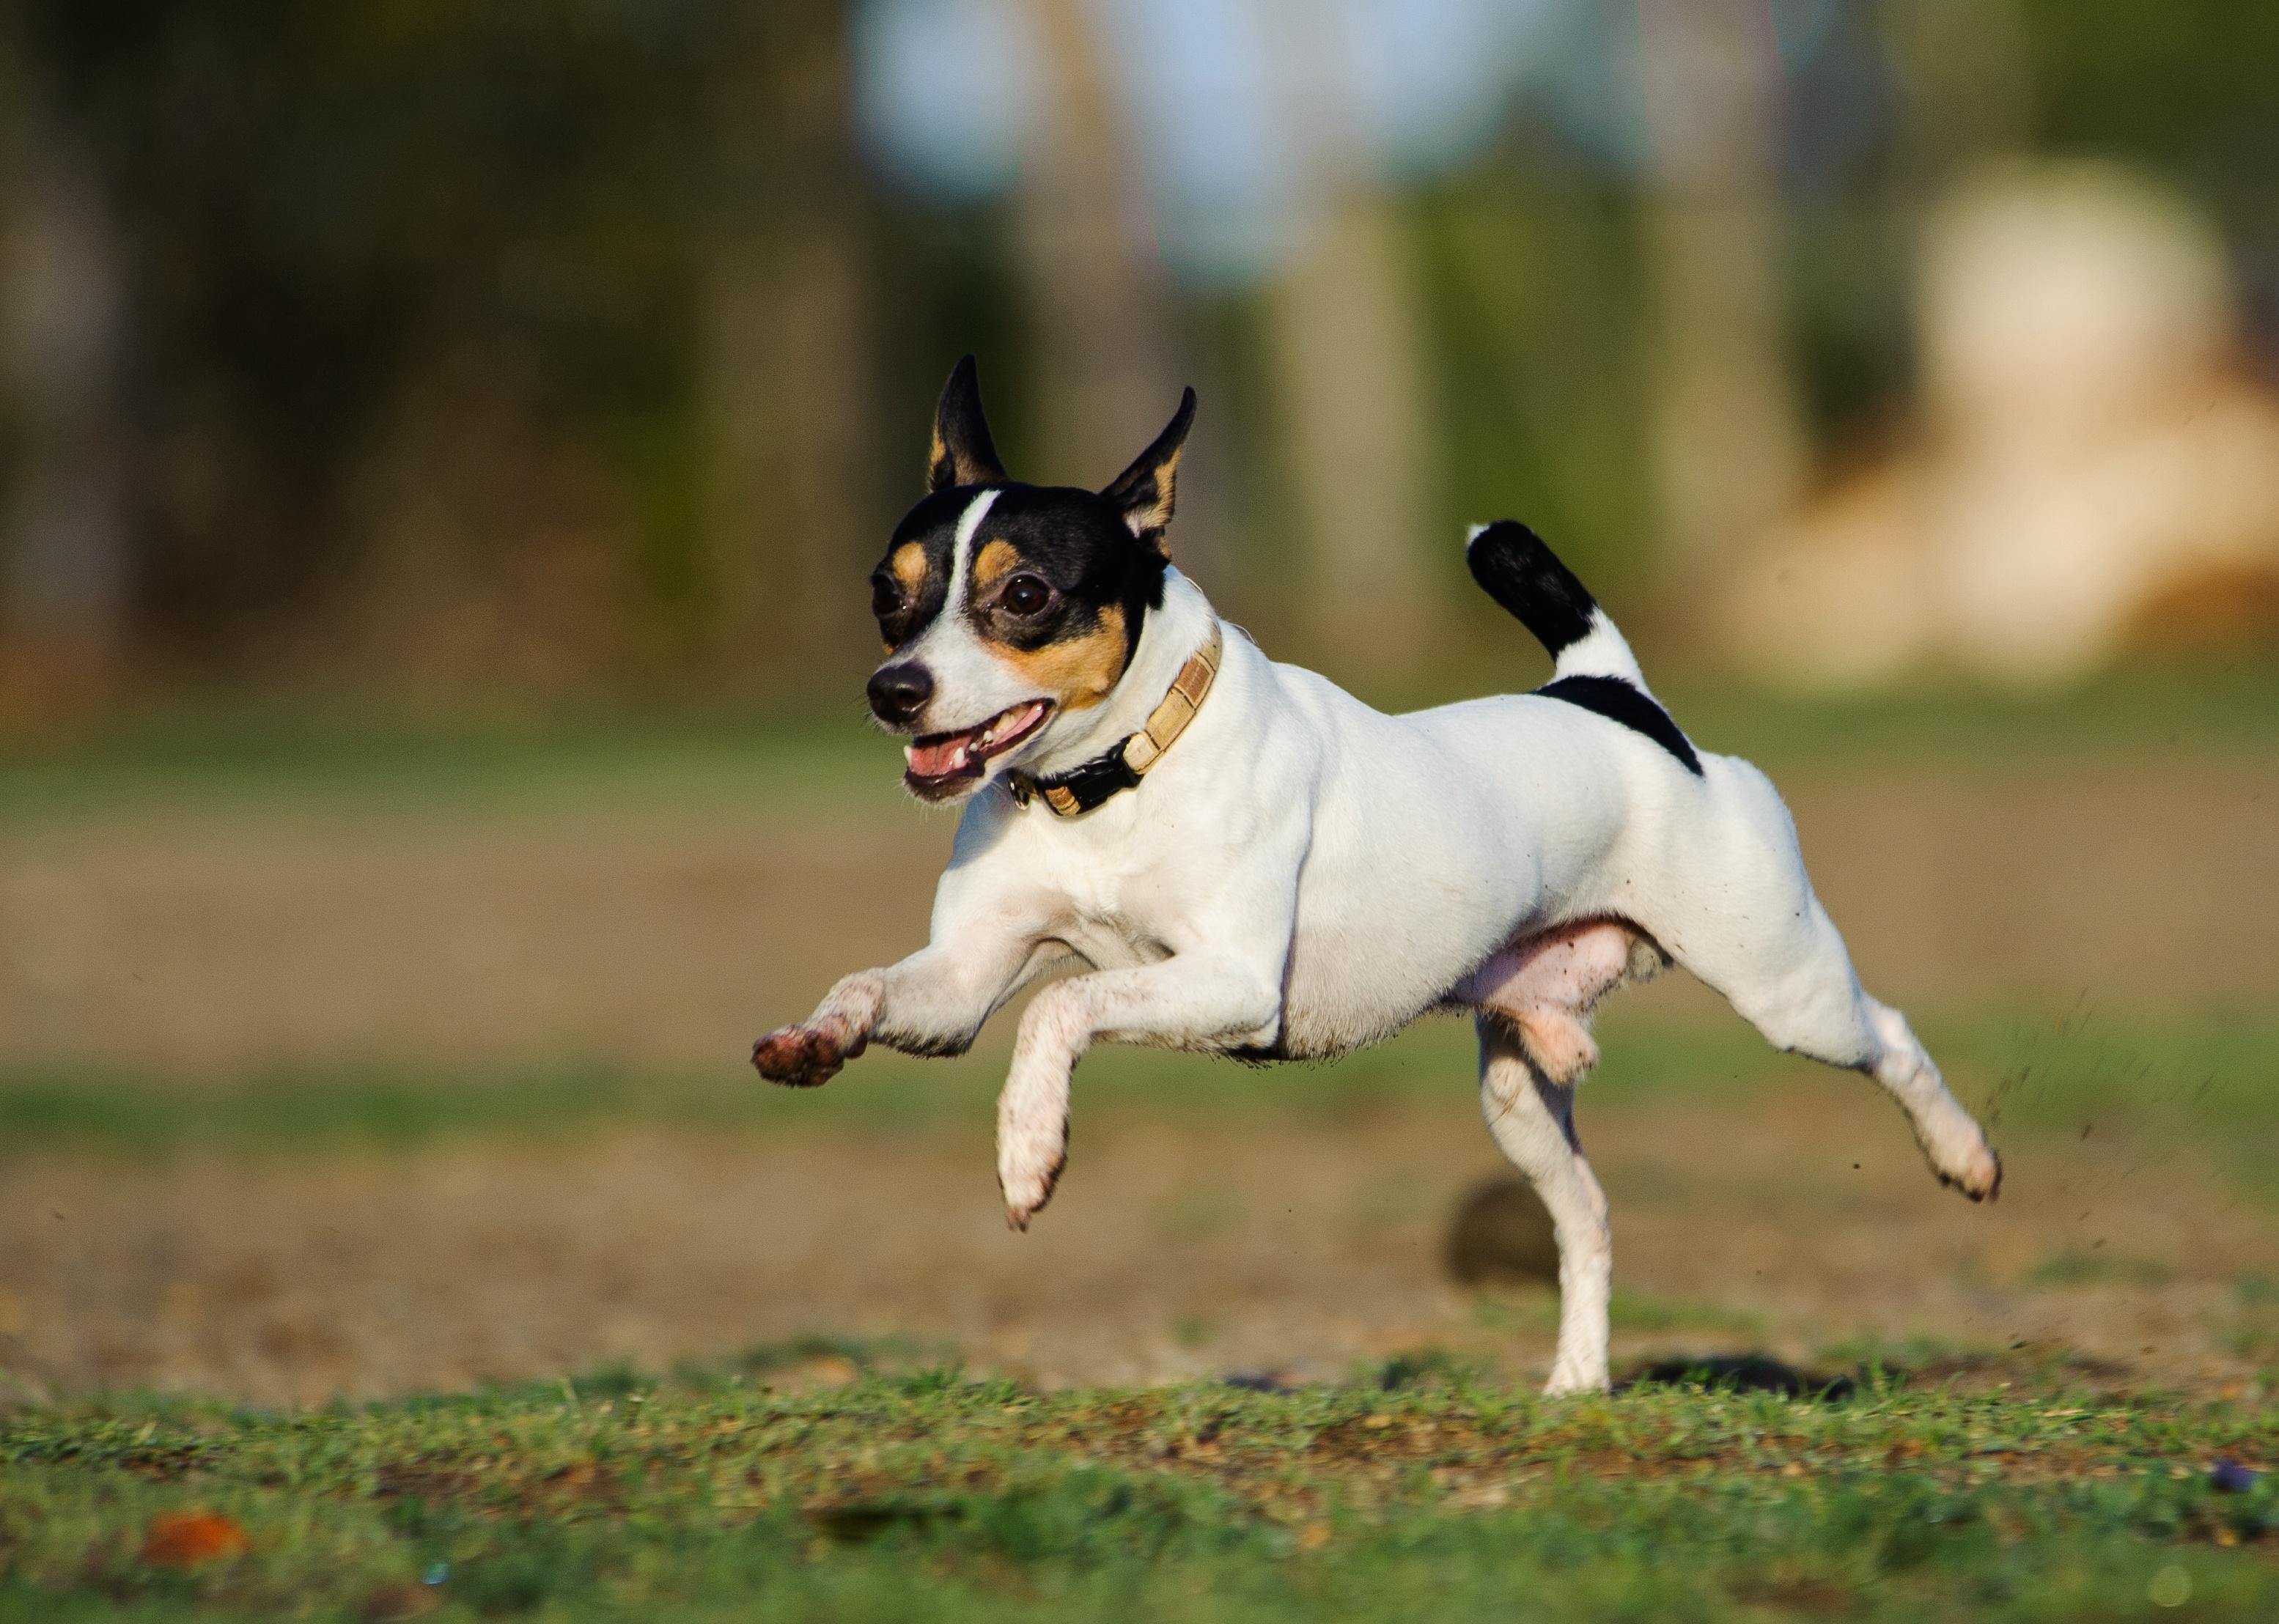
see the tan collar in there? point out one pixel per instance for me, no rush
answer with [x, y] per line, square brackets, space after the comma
[1088, 784]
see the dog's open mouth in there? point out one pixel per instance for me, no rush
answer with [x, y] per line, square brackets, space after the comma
[940, 765]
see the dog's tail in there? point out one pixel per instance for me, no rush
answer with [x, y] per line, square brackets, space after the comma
[1591, 666]
[1519, 571]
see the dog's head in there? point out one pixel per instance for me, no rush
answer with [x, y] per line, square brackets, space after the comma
[1008, 609]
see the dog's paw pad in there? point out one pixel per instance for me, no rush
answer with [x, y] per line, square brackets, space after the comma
[799, 1056]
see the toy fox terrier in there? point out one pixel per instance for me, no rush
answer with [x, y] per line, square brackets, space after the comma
[1237, 857]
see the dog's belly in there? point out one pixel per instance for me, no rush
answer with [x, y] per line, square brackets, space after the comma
[1366, 958]
[1327, 1011]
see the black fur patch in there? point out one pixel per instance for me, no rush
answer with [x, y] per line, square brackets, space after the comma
[1076, 543]
[932, 525]
[1514, 567]
[1621, 701]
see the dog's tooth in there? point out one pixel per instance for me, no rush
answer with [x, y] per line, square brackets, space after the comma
[1012, 722]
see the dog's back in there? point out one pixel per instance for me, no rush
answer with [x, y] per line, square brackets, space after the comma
[1440, 837]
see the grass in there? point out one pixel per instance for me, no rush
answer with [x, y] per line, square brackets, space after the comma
[234, 753]
[918, 1495]
[908, 1493]
[2213, 1078]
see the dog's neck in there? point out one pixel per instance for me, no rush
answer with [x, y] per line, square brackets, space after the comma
[1172, 630]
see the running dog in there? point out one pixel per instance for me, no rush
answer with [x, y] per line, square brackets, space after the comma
[1237, 857]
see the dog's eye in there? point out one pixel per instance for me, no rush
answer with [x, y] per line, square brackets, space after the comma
[885, 595]
[1026, 594]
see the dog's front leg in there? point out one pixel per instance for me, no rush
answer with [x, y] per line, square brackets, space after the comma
[932, 1002]
[1195, 997]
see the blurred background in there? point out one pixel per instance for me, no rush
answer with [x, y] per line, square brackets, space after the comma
[441, 450]
[586, 348]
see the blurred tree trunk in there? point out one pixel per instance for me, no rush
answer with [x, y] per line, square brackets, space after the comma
[1346, 344]
[1105, 377]
[1345, 347]
[783, 393]
[1968, 69]
[1728, 435]
[65, 580]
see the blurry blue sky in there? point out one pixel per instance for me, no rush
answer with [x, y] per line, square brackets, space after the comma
[1241, 109]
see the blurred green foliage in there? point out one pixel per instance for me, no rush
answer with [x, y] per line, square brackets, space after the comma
[2209, 1082]
[426, 307]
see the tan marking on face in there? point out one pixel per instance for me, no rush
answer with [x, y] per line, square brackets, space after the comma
[909, 566]
[1079, 671]
[991, 563]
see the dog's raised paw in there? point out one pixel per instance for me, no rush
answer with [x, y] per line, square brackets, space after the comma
[801, 1056]
[1027, 1194]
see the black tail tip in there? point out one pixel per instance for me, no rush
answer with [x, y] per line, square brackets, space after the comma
[1504, 532]
[1516, 568]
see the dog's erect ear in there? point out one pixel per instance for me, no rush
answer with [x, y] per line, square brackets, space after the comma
[1142, 492]
[963, 452]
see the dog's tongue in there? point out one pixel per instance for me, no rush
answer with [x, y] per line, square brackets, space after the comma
[935, 758]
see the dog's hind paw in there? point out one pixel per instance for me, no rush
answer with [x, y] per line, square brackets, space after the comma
[1993, 1191]
[802, 1056]
[1026, 1192]
[1978, 1176]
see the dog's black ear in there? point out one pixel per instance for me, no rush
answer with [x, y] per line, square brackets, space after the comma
[963, 452]
[1142, 492]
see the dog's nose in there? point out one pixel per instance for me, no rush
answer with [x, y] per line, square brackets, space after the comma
[898, 693]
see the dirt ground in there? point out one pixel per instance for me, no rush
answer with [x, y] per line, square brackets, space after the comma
[1298, 1246]
[214, 941]
[193, 945]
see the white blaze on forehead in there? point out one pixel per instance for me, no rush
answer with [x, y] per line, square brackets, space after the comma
[961, 546]
[971, 685]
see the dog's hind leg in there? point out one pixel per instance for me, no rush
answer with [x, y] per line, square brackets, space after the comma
[1533, 1121]
[1730, 899]
[1795, 984]
[1952, 1140]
